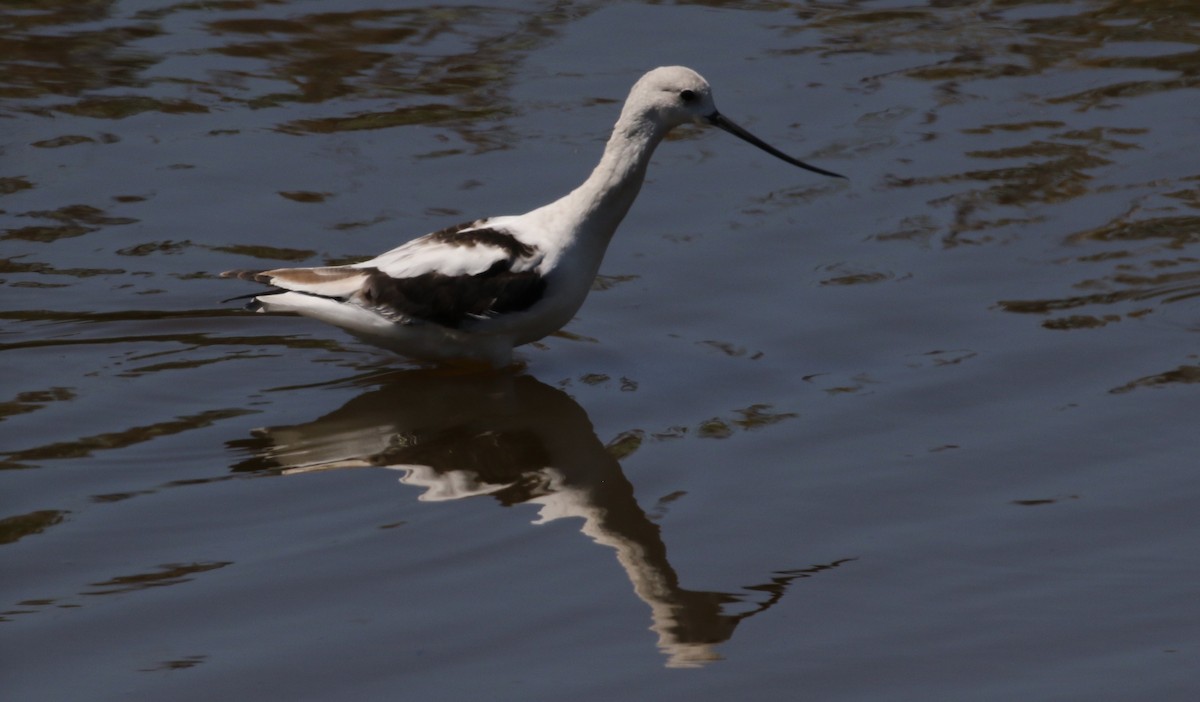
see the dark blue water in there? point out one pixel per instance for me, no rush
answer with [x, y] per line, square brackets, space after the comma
[928, 434]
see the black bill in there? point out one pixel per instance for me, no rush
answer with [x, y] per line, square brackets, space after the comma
[719, 120]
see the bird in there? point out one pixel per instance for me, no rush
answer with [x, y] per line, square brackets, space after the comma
[472, 292]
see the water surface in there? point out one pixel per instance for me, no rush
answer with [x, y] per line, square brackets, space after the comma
[926, 434]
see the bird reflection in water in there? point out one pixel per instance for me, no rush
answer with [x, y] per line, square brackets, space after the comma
[520, 441]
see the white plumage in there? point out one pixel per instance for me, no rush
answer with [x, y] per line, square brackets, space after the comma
[475, 291]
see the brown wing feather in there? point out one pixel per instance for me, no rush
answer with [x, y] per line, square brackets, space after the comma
[328, 281]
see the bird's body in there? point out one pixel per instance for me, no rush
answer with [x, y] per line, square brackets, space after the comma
[475, 291]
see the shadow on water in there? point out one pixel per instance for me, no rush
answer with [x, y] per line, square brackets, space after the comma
[518, 440]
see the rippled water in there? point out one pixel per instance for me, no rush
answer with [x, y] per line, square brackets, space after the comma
[928, 434]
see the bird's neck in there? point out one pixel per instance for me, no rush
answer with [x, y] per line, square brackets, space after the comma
[602, 201]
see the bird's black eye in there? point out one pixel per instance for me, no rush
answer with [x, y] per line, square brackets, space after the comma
[688, 95]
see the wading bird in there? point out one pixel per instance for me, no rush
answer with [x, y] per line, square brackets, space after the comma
[474, 291]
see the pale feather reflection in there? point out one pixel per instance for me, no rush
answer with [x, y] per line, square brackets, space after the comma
[520, 441]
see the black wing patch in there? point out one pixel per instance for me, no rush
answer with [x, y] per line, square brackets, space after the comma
[450, 300]
[456, 236]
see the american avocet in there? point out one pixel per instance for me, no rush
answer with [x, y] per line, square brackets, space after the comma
[474, 291]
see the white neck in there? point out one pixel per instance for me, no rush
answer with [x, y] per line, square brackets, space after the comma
[596, 207]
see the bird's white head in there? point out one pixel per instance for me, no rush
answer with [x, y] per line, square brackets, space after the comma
[673, 95]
